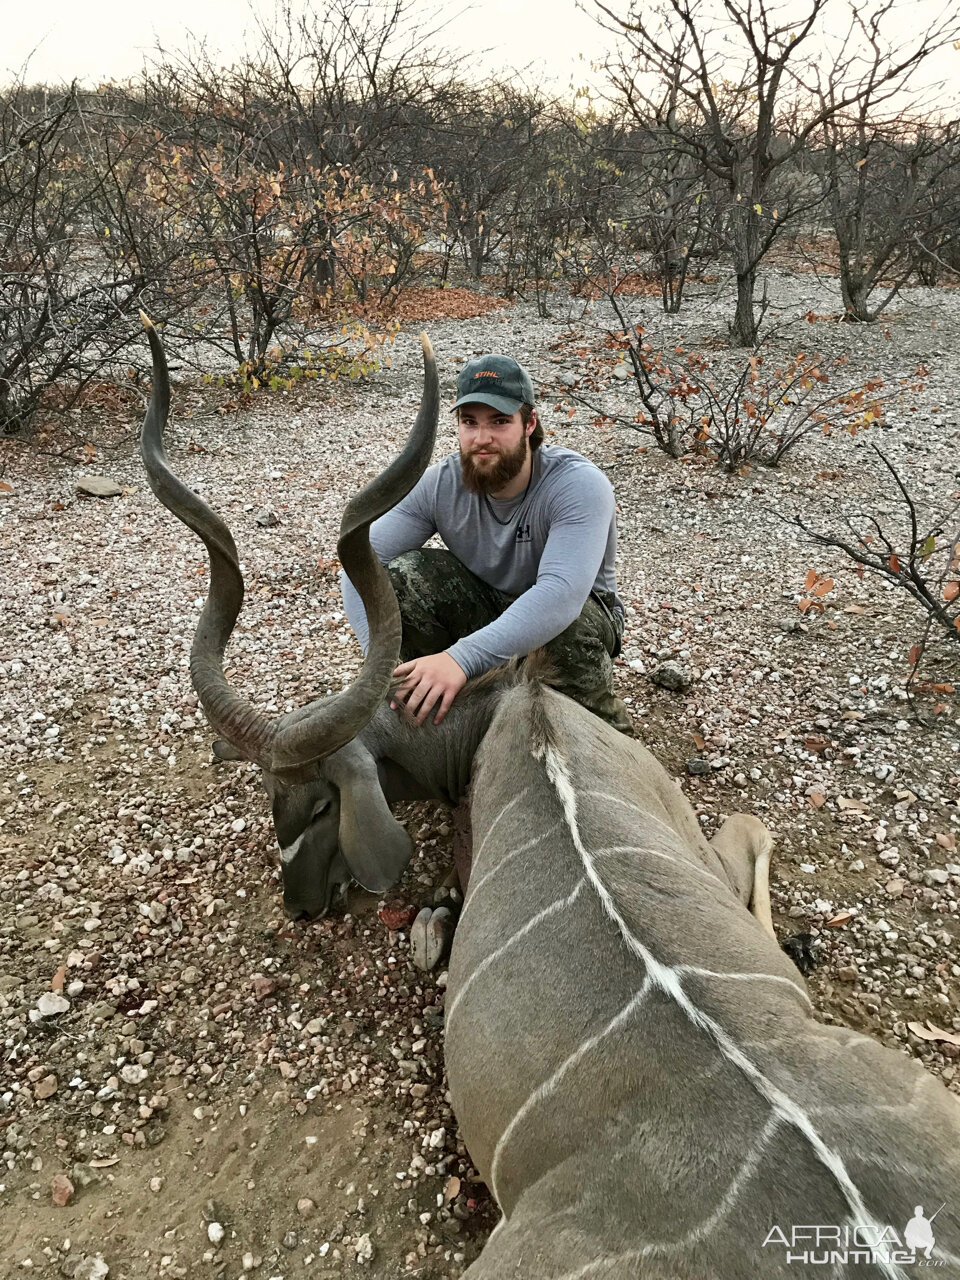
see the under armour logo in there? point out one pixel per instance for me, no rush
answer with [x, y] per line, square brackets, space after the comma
[523, 532]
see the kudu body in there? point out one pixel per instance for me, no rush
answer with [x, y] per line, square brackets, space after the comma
[634, 1063]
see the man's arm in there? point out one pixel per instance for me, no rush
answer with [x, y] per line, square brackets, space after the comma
[572, 555]
[404, 528]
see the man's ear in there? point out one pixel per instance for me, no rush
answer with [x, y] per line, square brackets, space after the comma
[531, 425]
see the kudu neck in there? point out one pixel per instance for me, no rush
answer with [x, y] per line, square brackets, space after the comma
[439, 757]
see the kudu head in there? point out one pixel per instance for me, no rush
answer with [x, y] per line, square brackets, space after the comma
[329, 813]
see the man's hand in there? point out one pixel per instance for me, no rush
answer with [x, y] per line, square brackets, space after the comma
[435, 678]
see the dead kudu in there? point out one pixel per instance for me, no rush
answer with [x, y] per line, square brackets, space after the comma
[635, 1065]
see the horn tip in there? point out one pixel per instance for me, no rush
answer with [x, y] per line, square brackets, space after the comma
[427, 346]
[146, 321]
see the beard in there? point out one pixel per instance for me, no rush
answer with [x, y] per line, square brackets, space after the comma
[492, 473]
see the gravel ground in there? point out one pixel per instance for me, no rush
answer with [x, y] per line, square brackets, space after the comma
[193, 1086]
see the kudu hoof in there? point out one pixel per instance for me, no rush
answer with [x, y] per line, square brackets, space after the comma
[430, 937]
[803, 950]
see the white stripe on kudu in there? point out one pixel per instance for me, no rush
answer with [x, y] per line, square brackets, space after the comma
[474, 887]
[629, 804]
[548, 1086]
[668, 981]
[659, 1248]
[288, 854]
[493, 825]
[667, 857]
[696, 972]
[532, 923]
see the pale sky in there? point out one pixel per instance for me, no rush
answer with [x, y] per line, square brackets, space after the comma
[107, 39]
[92, 40]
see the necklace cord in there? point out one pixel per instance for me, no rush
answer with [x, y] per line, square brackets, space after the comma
[523, 497]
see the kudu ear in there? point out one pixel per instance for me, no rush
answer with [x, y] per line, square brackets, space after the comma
[374, 845]
[224, 750]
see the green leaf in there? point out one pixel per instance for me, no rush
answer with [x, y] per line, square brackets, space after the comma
[929, 547]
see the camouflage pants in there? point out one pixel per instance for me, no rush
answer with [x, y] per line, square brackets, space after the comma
[441, 601]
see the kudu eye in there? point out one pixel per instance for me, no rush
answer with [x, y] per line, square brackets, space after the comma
[319, 809]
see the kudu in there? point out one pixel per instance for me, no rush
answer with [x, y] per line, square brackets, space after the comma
[634, 1064]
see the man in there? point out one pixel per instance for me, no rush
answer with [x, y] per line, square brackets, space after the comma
[531, 535]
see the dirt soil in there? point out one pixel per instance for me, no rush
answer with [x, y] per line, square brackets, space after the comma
[212, 1091]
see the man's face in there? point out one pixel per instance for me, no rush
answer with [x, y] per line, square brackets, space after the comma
[493, 446]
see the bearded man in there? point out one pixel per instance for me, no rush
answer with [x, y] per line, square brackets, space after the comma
[531, 535]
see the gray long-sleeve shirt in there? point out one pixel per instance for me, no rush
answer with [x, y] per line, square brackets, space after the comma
[559, 544]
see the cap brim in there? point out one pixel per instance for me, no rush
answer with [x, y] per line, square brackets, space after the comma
[502, 403]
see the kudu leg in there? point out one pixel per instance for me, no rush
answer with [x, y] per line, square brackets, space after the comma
[432, 932]
[743, 844]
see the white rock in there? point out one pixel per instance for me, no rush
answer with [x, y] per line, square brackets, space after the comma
[98, 487]
[92, 1269]
[50, 1004]
[215, 1233]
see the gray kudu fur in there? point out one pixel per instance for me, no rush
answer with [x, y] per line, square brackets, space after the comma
[634, 1064]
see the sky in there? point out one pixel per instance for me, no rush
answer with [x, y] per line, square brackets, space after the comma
[95, 40]
[552, 40]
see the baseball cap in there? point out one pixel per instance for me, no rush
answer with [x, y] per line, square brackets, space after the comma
[498, 381]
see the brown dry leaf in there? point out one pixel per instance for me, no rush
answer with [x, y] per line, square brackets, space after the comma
[699, 742]
[57, 981]
[429, 303]
[946, 840]
[817, 799]
[932, 1032]
[853, 715]
[856, 805]
[451, 1189]
[5, 487]
[840, 918]
[824, 588]
[854, 608]
[105, 1162]
[811, 580]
